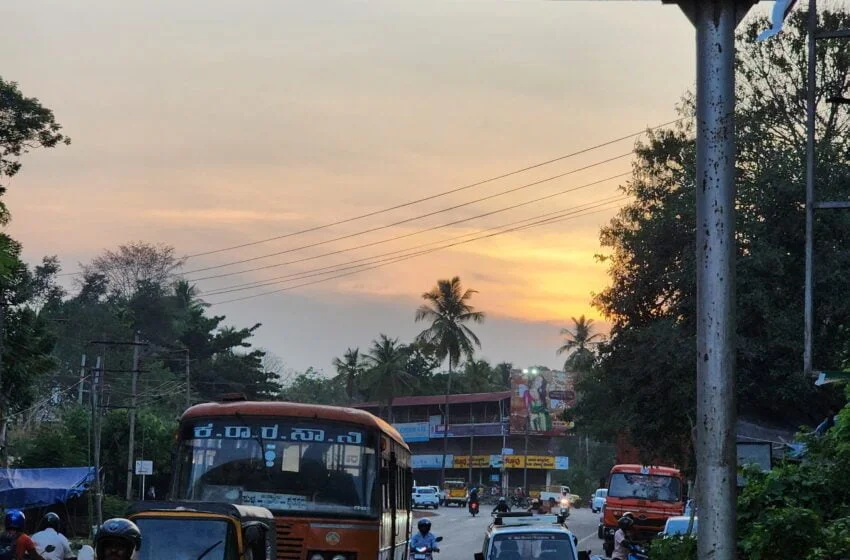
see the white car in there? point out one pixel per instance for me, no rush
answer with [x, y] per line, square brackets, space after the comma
[599, 498]
[425, 496]
[441, 494]
[678, 526]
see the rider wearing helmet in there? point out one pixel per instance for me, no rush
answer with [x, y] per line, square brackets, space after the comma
[424, 537]
[14, 543]
[502, 506]
[535, 506]
[622, 544]
[50, 542]
[117, 539]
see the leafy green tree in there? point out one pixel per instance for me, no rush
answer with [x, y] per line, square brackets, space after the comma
[578, 343]
[645, 383]
[349, 369]
[311, 387]
[386, 377]
[25, 124]
[503, 370]
[478, 377]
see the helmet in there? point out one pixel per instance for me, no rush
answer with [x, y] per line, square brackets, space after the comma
[52, 521]
[117, 529]
[535, 502]
[424, 524]
[625, 522]
[15, 519]
[502, 499]
[628, 514]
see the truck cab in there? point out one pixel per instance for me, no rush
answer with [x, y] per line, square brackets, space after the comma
[651, 494]
[208, 530]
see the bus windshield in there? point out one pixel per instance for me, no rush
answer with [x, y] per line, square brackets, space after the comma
[282, 464]
[657, 488]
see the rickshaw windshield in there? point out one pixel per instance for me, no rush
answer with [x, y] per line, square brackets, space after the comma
[182, 538]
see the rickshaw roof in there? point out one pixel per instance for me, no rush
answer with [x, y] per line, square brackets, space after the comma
[241, 512]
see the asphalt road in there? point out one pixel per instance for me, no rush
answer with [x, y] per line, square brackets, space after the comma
[463, 535]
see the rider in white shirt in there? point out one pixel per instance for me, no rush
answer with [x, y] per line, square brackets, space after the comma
[51, 544]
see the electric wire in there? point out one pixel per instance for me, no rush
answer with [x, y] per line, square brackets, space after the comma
[388, 240]
[437, 195]
[332, 268]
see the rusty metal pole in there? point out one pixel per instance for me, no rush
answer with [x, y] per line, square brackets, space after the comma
[715, 22]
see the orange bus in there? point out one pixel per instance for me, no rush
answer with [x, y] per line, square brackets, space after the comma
[337, 480]
[652, 494]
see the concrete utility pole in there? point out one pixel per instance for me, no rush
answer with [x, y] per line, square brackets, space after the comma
[188, 381]
[82, 381]
[133, 401]
[715, 22]
[811, 204]
[96, 383]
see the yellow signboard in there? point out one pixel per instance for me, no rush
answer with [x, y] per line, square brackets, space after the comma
[534, 462]
[478, 461]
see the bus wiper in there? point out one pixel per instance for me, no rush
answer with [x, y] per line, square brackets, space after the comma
[208, 550]
[260, 441]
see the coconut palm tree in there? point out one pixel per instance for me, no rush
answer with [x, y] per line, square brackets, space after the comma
[577, 342]
[447, 308]
[386, 377]
[349, 369]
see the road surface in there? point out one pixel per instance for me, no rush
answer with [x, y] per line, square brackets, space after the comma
[463, 536]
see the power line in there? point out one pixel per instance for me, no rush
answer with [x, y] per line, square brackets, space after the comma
[335, 267]
[395, 238]
[434, 196]
[391, 260]
[288, 288]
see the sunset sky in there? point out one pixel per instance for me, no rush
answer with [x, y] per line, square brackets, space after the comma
[208, 124]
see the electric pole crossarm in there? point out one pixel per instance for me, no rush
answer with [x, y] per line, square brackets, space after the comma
[833, 205]
[837, 34]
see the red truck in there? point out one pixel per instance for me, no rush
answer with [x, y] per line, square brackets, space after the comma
[652, 494]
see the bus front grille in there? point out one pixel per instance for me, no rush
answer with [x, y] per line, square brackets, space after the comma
[289, 547]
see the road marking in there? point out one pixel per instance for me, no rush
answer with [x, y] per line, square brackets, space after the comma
[594, 534]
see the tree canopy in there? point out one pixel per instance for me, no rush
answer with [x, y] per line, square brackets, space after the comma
[644, 385]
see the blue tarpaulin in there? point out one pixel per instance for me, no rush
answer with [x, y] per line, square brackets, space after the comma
[28, 488]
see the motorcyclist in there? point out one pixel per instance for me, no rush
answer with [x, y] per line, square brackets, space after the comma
[52, 544]
[117, 539]
[535, 506]
[622, 538]
[502, 506]
[424, 537]
[472, 494]
[14, 543]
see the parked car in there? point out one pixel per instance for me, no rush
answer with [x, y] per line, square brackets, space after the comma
[598, 499]
[441, 495]
[678, 526]
[425, 496]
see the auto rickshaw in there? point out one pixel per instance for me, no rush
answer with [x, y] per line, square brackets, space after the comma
[187, 530]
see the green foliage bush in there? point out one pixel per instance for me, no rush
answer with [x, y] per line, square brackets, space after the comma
[674, 548]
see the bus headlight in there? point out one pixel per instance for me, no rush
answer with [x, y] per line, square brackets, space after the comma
[317, 556]
[339, 557]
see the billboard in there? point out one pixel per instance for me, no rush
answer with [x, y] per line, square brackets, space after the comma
[414, 432]
[538, 400]
[466, 430]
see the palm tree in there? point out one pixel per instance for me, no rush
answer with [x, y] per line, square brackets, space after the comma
[386, 375]
[577, 343]
[447, 308]
[348, 370]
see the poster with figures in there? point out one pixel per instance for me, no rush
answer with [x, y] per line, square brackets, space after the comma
[539, 398]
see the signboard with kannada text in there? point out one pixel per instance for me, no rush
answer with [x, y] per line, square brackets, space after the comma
[414, 432]
[545, 462]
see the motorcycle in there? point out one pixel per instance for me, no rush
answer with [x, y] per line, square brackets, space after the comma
[473, 508]
[424, 552]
